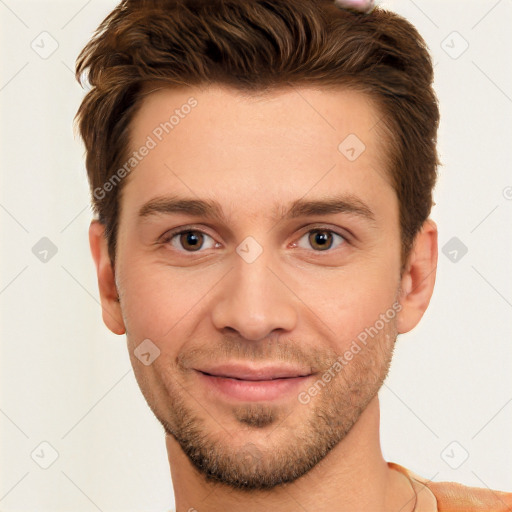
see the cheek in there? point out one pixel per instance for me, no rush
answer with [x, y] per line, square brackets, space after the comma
[157, 300]
[158, 305]
[349, 301]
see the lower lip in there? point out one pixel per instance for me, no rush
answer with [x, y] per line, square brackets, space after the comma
[253, 390]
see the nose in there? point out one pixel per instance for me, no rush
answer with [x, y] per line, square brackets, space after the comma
[254, 300]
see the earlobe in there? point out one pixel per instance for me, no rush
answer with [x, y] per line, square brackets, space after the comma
[418, 278]
[111, 308]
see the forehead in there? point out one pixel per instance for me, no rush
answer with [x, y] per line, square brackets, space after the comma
[239, 149]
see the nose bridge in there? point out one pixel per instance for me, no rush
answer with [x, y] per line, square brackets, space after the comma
[253, 300]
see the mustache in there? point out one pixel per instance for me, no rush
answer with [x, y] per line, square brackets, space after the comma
[269, 351]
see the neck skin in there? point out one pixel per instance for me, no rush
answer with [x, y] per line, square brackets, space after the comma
[353, 477]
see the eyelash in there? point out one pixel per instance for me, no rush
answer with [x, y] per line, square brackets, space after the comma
[170, 235]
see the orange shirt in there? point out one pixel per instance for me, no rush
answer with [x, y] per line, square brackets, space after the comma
[453, 497]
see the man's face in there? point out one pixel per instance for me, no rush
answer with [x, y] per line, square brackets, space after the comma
[255, 286]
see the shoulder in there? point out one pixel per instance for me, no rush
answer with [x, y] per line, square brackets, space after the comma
[454, 497]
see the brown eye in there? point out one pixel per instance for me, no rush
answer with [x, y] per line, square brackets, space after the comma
[192, 240]
[320, 240]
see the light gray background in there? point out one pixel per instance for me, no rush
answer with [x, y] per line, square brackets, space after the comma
[67, 381]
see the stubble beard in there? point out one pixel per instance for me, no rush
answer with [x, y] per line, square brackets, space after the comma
[289, 452]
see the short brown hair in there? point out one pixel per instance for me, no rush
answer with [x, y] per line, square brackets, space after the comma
[256, 46]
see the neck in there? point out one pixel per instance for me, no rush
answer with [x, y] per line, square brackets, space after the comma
[352, 477]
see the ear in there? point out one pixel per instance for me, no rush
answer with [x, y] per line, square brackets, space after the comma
[418, 278]
[111, 308]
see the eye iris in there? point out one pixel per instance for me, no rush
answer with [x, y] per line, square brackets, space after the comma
[193, 238]
[320, 237]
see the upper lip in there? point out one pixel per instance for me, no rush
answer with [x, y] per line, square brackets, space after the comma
[244, 372]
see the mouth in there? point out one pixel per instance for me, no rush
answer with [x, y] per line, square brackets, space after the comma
[253, 379]
[254, 373]
[253, 383]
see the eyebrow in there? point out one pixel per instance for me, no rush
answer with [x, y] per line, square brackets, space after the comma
[170, 205]
[327, 205]
[330, 205]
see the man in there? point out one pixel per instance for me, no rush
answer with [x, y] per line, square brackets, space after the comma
[262, 174]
